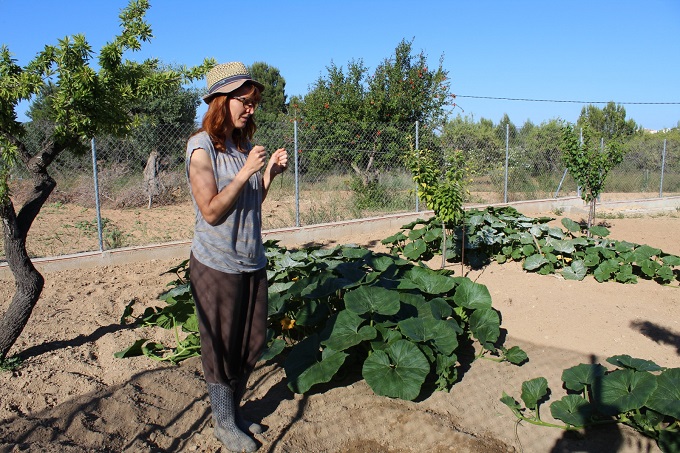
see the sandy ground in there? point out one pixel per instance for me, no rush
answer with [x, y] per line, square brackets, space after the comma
[71, 395]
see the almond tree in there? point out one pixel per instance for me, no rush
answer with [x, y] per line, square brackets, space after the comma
[589, 165]
[88, 98]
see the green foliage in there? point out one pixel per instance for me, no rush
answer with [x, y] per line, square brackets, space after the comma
[10, 363]
[589, 164]
[348, 106]
[273, 104]
[609, 122]
[179, 315]
[478, 140]
[503, 234]
[637, 393]
[440, 182]
[334, 309]
[83, 99]
[369, 194]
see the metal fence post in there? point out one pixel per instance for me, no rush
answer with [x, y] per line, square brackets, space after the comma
[663, 165]
[297, 173]
[417, 144]
[96, 196]
[507, 160]
[578, 188]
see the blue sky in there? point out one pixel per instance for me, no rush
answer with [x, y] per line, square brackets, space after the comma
[584, 50]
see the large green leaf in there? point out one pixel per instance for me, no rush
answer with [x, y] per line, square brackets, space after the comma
[319, 372]
[577, 271]
[666, 396]
[305, 366]
[414, 250]
[354, 252]
[600, 231]
[665, 273]
[442, 334]
[347, 331]
[645, 252]
[577, 377]
[533, 262]
[649, 267]
[382, 262]
[321, 285]
[180, 292]
[624, 246]
[276, 304]
[626, 361]
[624, 390]
[671, 260]
[571, 226]
[485, 326]
[471, 295]
[511, 402]
[372, 299]
[440, 308]
[133, 350]
[565, 246]
[573, 410]
[427, 280]
[604, 271]
[625, 274]
[275, 348]
[398, 371]
[312, 313]
[533, 391]
[515, 355]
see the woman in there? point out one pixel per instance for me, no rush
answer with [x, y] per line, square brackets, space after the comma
[227, 262]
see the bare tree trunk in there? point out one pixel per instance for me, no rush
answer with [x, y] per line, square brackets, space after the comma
[28, 281]
[152, 184]
[591, 214]
[367, 176]
[444, 245]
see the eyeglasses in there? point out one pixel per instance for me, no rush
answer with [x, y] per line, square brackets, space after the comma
[247, 103]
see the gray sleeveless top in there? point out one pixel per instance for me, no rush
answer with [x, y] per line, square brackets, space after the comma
[234, 245]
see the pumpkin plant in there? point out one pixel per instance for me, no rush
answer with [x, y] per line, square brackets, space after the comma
[334, 309]
[638, 393]
[503, 234]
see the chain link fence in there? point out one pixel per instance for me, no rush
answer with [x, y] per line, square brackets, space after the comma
[337, 172]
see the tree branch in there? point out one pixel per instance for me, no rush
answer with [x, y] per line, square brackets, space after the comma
[43, 184]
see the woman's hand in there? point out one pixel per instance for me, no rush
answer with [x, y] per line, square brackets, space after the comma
[278, 162]
[256, 160]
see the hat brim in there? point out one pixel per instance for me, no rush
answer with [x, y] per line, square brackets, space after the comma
[228, 88]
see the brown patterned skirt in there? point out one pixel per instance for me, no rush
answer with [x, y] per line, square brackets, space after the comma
[232, 321]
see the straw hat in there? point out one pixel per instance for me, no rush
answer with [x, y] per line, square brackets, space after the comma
[226, 77]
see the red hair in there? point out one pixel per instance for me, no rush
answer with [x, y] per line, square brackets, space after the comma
[217, 120]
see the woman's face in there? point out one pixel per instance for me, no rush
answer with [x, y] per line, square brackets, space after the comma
[242, 105]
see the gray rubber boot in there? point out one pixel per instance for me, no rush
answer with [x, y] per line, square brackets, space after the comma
[224, 414]
[242, 423]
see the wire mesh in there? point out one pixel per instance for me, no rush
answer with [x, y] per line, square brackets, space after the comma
[337, 172]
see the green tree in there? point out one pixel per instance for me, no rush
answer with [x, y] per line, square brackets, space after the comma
[349, 106]
[87, 100]
[480, 142]
[609, 123]
[273, 104]
[541, 145]
[588, 164]
[441, 182]
[405, 89]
